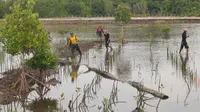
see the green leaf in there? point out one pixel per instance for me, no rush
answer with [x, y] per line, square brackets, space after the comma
[78, 89]
[62, 95]
[105, 100]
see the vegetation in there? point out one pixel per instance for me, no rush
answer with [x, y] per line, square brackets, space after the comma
[63, 8]
[123, 13]
[46, 104]
[165, 30]
[23, 34]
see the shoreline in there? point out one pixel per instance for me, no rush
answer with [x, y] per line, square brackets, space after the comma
[111, 20]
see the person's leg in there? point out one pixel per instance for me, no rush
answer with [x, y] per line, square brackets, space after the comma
[106, 45]
[72, 49]
[109, 45]
[187, 51]
[78, 49]
[100, 34]
[181, 48]
[187, 48]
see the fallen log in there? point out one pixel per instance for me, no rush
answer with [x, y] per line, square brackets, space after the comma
[134, 84]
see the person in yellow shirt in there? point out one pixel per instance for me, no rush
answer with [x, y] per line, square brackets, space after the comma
[72, 43]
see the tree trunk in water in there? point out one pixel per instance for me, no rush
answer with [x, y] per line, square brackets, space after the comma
[122, 33]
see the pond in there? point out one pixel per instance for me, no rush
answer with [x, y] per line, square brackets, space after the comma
[146, 57]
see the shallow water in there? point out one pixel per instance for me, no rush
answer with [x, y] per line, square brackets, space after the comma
[153, 62]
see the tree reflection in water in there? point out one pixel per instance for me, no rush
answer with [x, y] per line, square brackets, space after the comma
[115, 61]
[43, 105]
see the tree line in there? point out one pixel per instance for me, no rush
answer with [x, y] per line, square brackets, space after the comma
[64, 8]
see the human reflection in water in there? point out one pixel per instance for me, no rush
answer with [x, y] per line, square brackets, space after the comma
[75, 68]
[184, 63]
[108, 61]
[186, 77]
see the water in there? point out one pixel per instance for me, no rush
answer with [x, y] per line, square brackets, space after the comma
[156, 64]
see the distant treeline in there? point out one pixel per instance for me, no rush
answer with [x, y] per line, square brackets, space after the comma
[65, 8]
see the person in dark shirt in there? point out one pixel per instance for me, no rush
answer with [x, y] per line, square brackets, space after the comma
[184, 42]
[107, 40]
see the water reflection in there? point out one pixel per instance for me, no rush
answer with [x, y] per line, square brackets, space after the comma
[108, 61]
[118, 62]
[186, 76]
[184, 64]
[142, 102]
[82, 99]
[43, 105]
[75, 67]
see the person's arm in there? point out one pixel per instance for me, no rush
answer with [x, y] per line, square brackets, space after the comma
[97, 30]
[108, 37]
[186, 35]
[77, 39]
[68, 42]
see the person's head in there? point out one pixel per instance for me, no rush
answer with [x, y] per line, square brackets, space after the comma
[185, 30]
[71, 33]
[106, 31]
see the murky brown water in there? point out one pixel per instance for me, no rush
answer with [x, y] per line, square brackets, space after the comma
[152, 65]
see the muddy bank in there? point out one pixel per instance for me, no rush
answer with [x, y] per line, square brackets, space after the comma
[63, 51]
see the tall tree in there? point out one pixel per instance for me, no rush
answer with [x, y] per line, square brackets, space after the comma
[123, 13]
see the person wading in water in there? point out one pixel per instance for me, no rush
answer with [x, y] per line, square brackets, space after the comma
[99, 31]
[184, 42]
[107, 40]
[72, 42]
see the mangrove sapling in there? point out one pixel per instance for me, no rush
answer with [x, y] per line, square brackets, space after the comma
[89, 93]
[113, 99]
[90, 90]
[165, 31]
[123, 15]
[141, 98]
